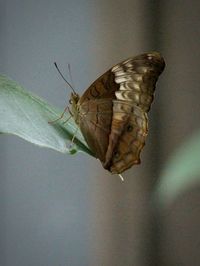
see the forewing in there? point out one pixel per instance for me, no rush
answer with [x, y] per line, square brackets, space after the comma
[102, 88]
[137, 78]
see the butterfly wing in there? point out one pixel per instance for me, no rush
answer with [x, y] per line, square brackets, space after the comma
[95, 110]
[113, 111]
[95, 123]
[127, 140]
[103, 88]
[137, 78]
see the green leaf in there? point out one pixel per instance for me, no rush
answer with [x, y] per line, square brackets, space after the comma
[27, 116]
[181, 171]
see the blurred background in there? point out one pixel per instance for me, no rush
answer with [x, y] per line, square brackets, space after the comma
[65, 210]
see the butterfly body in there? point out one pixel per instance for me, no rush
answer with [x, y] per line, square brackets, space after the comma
[112, 113]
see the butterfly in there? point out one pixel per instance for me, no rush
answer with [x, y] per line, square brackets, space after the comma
[112, 112]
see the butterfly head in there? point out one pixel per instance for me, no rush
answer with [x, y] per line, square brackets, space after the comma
[74, 102]
[74, 99]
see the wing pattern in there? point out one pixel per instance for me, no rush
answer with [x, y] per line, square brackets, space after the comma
[113, 111]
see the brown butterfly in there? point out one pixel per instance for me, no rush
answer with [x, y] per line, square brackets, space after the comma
[112, 113]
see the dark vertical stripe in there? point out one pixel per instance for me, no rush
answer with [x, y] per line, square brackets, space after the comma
[155, 31]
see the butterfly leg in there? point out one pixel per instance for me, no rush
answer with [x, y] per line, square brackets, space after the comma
[61, 116]
[71, 115]
[70, 147]
[74, 136]
[121, 177]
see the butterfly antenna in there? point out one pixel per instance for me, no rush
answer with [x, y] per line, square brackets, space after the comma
[70, 74]
[64, 77]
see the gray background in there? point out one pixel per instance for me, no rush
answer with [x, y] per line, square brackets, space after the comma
[66, 210]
